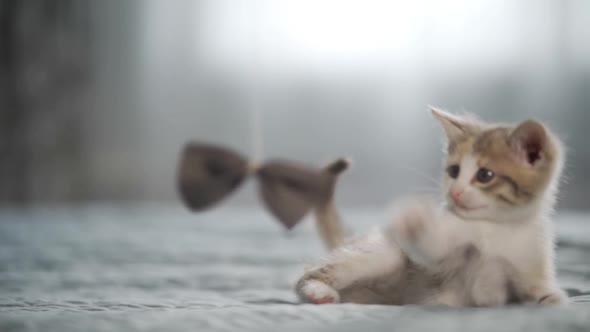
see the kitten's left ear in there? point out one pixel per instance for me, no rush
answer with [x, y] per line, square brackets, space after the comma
[529, 142]
[453, 125]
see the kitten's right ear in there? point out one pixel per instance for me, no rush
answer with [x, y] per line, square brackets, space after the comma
[529, 141]
[453, 125]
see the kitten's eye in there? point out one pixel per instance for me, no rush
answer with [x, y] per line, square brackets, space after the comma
[453, 171]
[484, 175]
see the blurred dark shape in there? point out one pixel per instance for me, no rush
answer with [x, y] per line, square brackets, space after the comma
[290, 190]
[44, 55]
[207, 174]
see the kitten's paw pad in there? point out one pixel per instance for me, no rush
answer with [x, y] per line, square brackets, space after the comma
[553, 299]
[323, 300]
[317, 292]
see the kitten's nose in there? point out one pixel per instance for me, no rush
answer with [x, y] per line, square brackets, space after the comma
[456, 194]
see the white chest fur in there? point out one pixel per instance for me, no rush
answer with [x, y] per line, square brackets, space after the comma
[528, 245]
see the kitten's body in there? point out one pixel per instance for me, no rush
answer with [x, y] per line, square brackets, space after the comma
[493, 246]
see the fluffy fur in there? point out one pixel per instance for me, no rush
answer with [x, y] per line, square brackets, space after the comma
[490, 244]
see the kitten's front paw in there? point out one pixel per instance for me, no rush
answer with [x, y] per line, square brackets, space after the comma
[556, 298]
[412, 221]
[317, 292]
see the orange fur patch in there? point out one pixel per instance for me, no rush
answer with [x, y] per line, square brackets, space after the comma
[517, 182]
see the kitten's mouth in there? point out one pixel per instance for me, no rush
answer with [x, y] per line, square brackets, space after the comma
[463, 207]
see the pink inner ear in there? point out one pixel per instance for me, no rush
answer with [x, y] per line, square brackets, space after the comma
[532, 146]
[528, 141]
[533, 152]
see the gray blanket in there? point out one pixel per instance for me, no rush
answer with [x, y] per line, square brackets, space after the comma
[163, 269]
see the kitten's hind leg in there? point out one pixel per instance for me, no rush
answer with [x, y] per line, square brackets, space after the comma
[480, 280]
[316, 291]
[355, 264]
[494, 282]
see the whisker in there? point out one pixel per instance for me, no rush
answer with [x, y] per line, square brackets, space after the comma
[425, 188]
[423, 175]
[425, 191]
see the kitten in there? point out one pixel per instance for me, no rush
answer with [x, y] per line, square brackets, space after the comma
[490, 244]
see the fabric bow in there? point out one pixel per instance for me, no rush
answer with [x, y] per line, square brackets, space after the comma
[289, 190]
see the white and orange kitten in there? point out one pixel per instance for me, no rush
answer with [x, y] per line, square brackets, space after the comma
[491, 244]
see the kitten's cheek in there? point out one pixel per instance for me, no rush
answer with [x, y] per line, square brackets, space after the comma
[474, 200]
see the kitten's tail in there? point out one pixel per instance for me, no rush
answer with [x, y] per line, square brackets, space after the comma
[328, 222]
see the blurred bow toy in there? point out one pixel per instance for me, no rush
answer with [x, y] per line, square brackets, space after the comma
[207, 174]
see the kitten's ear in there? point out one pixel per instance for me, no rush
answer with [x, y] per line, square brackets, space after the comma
[529, 142]
[453, 125]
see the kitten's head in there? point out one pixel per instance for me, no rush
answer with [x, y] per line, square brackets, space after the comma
[499, 172]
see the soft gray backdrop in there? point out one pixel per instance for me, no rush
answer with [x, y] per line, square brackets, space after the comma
[98, 96]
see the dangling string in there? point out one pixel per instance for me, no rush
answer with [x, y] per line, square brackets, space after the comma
[256, 107]
[257, 135]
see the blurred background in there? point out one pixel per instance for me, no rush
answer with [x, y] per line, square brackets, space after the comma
[97, 97]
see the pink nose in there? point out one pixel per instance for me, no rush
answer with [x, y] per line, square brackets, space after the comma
[456, 194]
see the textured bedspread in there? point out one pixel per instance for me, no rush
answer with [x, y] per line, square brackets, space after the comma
[163, 269]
